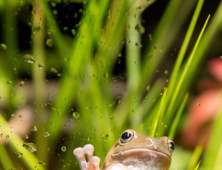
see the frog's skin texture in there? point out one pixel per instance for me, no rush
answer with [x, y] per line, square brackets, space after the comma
[133, 151]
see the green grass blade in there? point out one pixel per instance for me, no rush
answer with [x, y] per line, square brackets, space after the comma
[184, 72]
[17, 145]
[196, 168]
[167, 29]
[183, 49]
[38, 75]
[214, 144]
[217, 163]
[195, 157]
[157, 116]
[5, 159]
[148, 102]
[177, 118]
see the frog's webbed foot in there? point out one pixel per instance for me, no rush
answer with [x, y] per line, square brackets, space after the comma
[93, 161]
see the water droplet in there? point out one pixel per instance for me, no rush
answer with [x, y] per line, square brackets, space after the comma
[46, 134]
[111, 117]
[20, 155]
[75, 115]
[73, 32]
[52, 69]
[166, 72]
[29, 58]
[198, 104]
[138, 44]
[55, 12]
[89, 139]
[35, 29]
[34, 129]
[140, 28]
[42, 163]
[49, 42]
[106, 75]
[26, 137]
[63, 148]
[105, 137]
[20, 116]
[53, 4]
[21, 83]
[31, 147]
[40, 65]
[1, 134]
[9, 82]
[3, 46]
[65, 28]
[56, 110]
[59, 75]
[148, 88]
[7, 136]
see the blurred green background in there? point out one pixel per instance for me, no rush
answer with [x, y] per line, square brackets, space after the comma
[74, 72]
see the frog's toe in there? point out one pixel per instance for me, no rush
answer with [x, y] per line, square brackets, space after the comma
[95, 161]
[80, 155]
[89, 149]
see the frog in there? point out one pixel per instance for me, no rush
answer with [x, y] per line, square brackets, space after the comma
[133, 151]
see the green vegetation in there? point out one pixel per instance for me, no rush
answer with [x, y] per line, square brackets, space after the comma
[74, 85]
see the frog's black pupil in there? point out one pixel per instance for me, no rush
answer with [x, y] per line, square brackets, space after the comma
[172, 145]
[126, 135]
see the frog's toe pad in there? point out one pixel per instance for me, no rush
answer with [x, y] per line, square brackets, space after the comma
[93, 161]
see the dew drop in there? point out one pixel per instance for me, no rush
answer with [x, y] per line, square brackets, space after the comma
[49, 42]
[63, 148]
[53, 70]
[106, 75]
[26, 137]
[198, 104]
[105, 137]
[73, 32]
[29, 58]
[9, 82]
[31, 147]
[34, 128]
[21, 83]
[42, 163]
[148, 88]
[3, 46]
[46, 134]
[20, 116]
[75, 115]
[35, 29]
[20, 155]
[7, 136]
[40, 65]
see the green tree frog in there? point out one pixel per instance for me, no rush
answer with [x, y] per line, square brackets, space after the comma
[133, 151]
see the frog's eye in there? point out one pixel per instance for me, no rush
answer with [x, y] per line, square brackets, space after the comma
[126, 136]
[171, 145]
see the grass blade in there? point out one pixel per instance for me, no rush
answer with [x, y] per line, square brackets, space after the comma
[17, 145]
[195, 157]
[184, 72]
[177, 118]
[158, 115]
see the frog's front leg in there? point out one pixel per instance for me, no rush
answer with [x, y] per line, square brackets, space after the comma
[93, 161]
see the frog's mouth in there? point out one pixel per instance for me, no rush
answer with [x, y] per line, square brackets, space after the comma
[142, 154]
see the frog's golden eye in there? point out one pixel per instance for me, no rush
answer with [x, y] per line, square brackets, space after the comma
[171, 145]
[126, 136]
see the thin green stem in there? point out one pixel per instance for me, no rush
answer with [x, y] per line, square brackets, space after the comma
[38, 50]
[17, 145]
